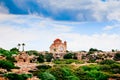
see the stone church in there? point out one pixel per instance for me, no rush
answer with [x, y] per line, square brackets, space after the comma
[58, 48]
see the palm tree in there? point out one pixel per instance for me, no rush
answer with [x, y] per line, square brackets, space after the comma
[19, 46]
[23, 44]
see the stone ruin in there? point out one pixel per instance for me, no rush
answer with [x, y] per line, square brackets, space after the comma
[24, 61]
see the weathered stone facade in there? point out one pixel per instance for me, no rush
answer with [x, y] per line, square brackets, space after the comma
[58, 48]
[22, 57]
[24, 62]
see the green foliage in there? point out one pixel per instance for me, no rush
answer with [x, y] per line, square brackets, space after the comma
[43, 67]
[4, 52]
[40, 59]
[113, 50]
[91, 72]
[14, 76]
[47, 76]
[92, 50]
[8, 54]
[11, 59]
[39, 72]
[111, 68]
[32, 52]
[115, 68]
[117, 57]
[68, 56]
[63, 73]
[105, 68]
[107, 61]
[68, 61]
[48, 57]
[14, 50]
[90, 67]
[6, 64]
[80, 73]
[97, 75]
[92, 58]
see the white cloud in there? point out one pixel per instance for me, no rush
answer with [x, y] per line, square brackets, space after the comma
[16, 29]
[3, 9]
[108, 27]
[114, 26]
[99, 41]
[39, 33]
[61, 28]
[92, 9]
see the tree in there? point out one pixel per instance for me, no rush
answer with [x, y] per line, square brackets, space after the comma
[19, 46]
[113, 50]
[23, 44]
[4, 52]
[48, 57]
[8, 54]
[40, 58]
[92, 50]
[14, 50]
[6, 65]
[68, 56]
[117, 57]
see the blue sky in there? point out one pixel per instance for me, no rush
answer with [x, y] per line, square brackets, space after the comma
[83, 24]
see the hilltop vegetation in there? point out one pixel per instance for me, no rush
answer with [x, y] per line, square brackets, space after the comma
[68, 68]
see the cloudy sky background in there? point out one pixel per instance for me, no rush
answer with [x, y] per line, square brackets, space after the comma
[83, 24]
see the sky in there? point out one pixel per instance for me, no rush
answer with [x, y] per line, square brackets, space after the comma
[84, 24]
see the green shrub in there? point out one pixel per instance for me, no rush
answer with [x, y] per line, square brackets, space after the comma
[115, 68]
[63, 73]
[108, 62]
[48, 57]
[105, 68]
[14, 76]
[57, 62]
[68, 56]
[40, 59]
[43, 66]
[72, 77]
[38, 73]
[91, 72]
[6, 65]
[80, 73]
[47, 76]
[90, 67]
[68, 61]
[117, 57]
[97, 75]
[11, 59]
[32, 52]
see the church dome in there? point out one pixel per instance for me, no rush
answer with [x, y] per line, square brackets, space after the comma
[57, 40]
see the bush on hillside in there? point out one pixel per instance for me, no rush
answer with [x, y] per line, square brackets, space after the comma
[117, 57]
[14, 76]
[6, 65]
[107, 61]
